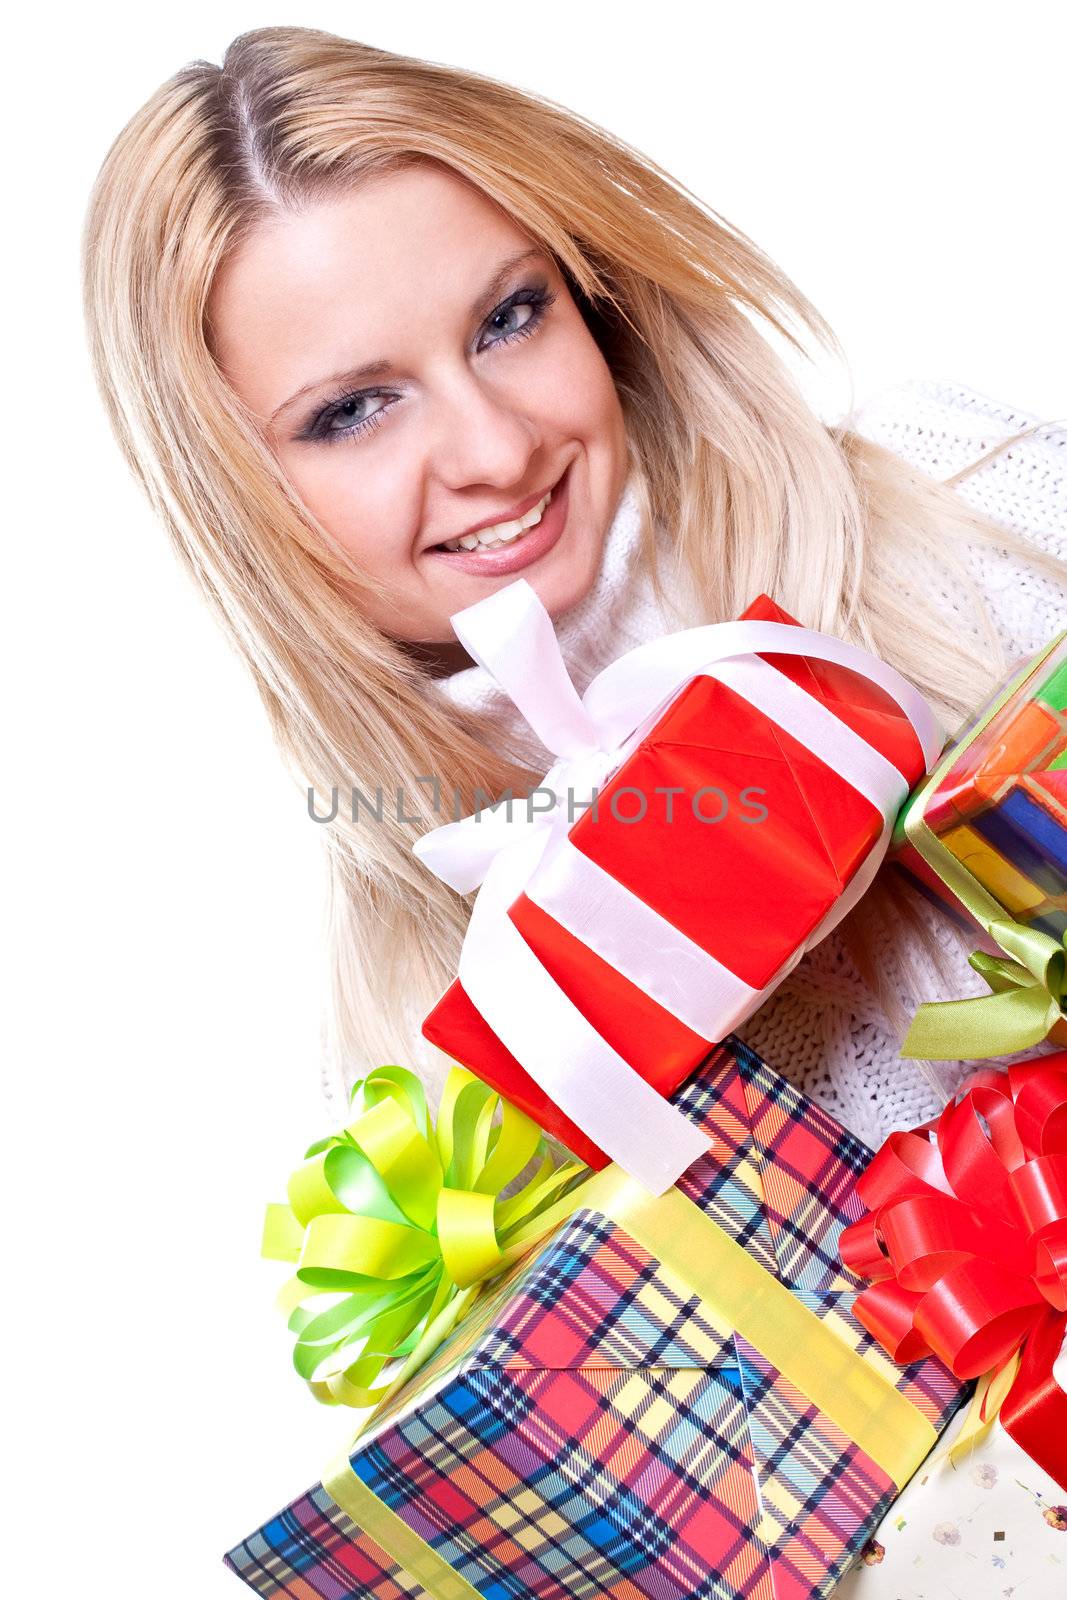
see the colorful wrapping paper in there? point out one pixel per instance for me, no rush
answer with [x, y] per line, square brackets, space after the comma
[794, 833]
[1000, 808]
[595, 1428]
[988, 828]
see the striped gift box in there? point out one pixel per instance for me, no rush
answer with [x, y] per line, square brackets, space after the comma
[592, 1430]
[998, 803]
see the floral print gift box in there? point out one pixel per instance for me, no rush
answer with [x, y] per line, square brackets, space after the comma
[990, 1526]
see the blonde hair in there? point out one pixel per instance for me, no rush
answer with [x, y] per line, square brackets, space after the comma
[759, 495]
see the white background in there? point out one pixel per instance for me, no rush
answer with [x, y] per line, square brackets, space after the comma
[903, 162]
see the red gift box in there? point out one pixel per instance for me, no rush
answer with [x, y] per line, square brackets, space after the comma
[749, 892]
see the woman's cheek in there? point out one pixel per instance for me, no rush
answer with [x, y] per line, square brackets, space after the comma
[590, 395]
[364, 525]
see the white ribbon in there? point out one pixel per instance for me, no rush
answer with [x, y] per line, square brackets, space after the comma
[513, 851]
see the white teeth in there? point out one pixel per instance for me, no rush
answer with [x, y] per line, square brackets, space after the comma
[501, 532]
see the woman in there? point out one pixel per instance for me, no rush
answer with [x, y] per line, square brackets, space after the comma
[347, 310]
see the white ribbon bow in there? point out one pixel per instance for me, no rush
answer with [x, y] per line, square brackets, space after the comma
[508, 853]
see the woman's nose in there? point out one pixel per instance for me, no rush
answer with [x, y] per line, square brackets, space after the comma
[482, 435]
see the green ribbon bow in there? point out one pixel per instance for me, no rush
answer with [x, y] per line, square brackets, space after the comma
[1027, 1000]
[397, 1224]
[1028, 982]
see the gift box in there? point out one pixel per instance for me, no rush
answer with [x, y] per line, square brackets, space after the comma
[655, 928]
[987, 1525]
[985, 838]
[965, 1244]
[669, 1397]
[999, 805]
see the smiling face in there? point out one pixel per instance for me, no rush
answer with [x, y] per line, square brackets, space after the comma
[421, 370]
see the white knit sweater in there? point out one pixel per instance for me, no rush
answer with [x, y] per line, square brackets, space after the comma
[821, 1028]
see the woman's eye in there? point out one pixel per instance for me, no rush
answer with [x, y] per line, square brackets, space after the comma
[504, 321]
[351, 416]
[520, 315]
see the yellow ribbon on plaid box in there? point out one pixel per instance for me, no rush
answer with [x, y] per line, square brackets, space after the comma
[438, 1230]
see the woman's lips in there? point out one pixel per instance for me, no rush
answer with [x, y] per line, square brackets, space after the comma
[529, 546]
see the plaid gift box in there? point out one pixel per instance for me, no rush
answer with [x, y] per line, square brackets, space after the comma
[598, 1426]
[651, 928]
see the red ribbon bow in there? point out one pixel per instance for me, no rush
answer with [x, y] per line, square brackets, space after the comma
[966, 1241]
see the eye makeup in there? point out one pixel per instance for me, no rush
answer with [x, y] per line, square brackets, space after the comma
[344, 405]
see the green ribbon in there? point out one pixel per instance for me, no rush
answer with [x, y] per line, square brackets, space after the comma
[1028, 982]
[394, 1225]
[1026, 1003]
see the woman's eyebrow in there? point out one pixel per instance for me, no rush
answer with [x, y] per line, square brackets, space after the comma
[381, 368]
